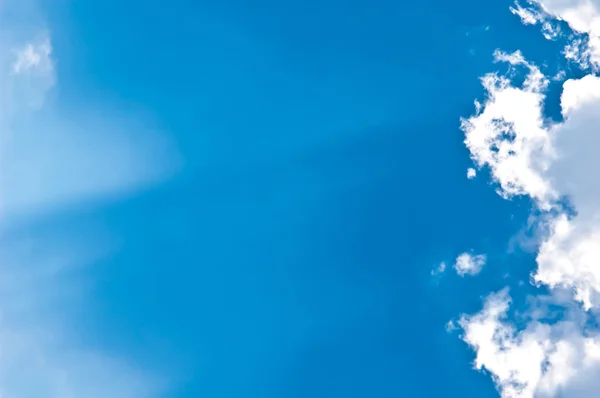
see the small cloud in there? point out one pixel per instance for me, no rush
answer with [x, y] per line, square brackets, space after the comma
[471, 173]
[469, 264]
[451, 327]
[35, 55]
[528, 16]
[439, 269]
[28, 77]
[559, 76]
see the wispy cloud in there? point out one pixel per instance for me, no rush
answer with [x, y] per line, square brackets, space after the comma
[582, 16]
[35, 57]
[440, 269]
[50, 158]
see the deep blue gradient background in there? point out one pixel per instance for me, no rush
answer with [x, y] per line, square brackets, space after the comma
[324, 178]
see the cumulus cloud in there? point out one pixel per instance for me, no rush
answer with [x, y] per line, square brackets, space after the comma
[469, 264]
[471, 173]
[554, 164]
[528, 156]
[52, 157]
[508, 135]
[541, 360]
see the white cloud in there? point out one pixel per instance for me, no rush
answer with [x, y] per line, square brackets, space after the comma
[469, 264]
[532, 16]
[508, 134]
[83, 154]
[582, 16]
[545, 161]
[27, 74]
[528, 16]
[579, 93]
[31, 75]
[439, 269]
[34, 57]
[471, 173]
[540, 360]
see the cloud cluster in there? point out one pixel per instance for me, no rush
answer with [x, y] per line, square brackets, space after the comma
[469, 264]
[465, 264]
[555, 165]
[582, 16]
[542, 360]
[34, 57]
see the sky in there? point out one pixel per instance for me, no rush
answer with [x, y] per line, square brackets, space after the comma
[299, 199]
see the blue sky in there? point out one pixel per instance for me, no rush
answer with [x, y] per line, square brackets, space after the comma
[248, 199]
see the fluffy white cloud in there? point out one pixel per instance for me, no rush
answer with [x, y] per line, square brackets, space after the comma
[508, 135]
[529, 156]
[548, 162]
[469, 264]
[541, 360]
